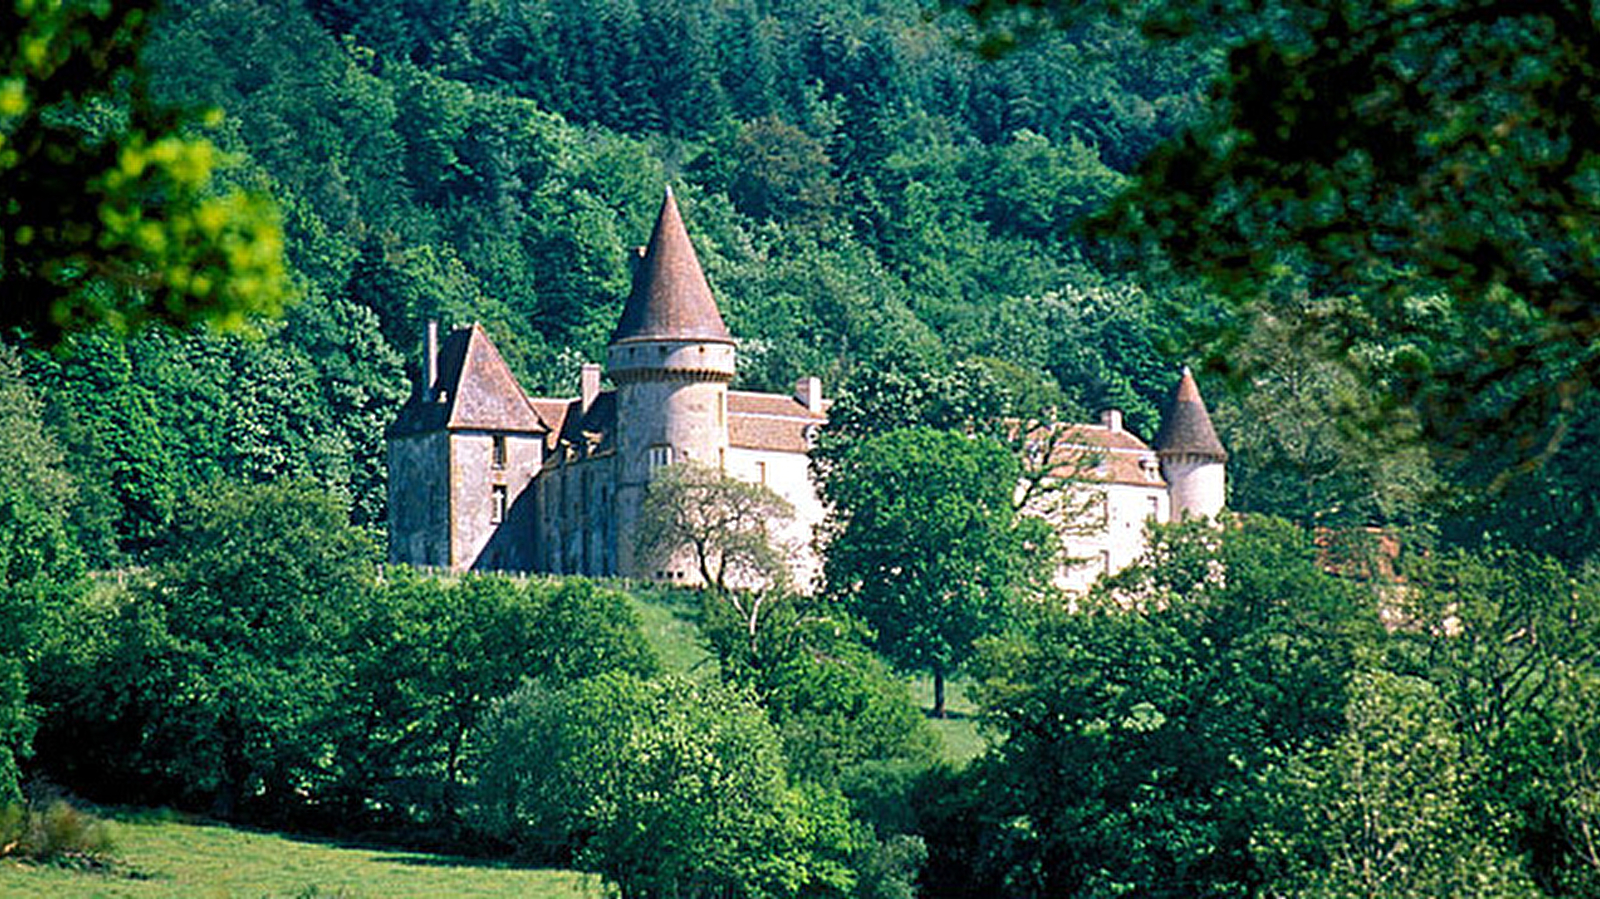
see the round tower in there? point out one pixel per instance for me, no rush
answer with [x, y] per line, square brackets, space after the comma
[671, 359]
[1193, 461]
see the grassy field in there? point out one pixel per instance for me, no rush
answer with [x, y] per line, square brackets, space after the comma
[162, 857]
[670, 621]
[959, 731]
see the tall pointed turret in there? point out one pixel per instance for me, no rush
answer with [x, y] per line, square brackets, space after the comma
[1193, 460]
[670, 299]
[671, 358]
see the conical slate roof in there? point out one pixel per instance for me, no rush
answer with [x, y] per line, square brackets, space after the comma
[671, 299]
[1186, 429]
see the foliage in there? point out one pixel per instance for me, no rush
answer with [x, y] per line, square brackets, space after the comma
[1385, 809]
[256, 594]
[39, 564]
[429, 656]
[724, 526]
[1131, 730]
[110, 213]
[925, 546]
[667, 788]
[1430, 161]
[837, 707]
[1508, 638]
[367, 715]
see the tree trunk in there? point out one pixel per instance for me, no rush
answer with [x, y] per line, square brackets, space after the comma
[938, 691]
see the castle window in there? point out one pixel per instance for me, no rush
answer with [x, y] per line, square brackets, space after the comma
[1155, 507]
[761, 473]
[499, 451]
[1105, 561]
[722, 409]
[497, 506]
[660, 455]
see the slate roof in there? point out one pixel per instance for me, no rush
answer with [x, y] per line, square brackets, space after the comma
[475, 391]
[670, 298]
[1098, 453]
[592, 433]
[770, 421]
[1186, 428]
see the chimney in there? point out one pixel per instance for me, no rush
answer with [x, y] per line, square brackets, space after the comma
[588, 385]
[1112, 419]
[808, 391]
[430, 362]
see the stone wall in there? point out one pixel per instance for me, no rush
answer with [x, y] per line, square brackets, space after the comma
[491, 533]
[419, 500]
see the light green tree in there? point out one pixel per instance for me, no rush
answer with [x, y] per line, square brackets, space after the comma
[38, 560]
[1385, 811]
[926, 547]
[668, 788]
[111, 213]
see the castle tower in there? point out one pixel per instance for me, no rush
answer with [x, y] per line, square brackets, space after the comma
[671, 359]
[460, 457]
[1193, 461]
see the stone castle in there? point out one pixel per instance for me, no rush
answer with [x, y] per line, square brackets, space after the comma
[484, 477]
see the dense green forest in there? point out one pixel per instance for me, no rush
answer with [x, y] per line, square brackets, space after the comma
[949, 236]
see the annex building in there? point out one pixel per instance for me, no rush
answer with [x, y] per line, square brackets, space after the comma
[484, 477]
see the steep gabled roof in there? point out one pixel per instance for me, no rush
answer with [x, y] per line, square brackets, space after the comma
[671, 299]
[475, 391]
[1186, 428]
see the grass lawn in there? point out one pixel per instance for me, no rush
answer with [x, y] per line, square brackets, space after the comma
[166, 858]
[670, 620]
[958, 731]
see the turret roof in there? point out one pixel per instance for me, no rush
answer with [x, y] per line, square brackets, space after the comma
[671, 299]
[475, 391]
[1186, 428]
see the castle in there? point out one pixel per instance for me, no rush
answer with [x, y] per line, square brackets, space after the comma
[484, 477]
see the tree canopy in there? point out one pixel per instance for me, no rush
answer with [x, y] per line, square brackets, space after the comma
[112, 214]
[926, 546]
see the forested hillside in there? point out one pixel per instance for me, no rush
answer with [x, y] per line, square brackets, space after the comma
[1390, 654]
[865, 195]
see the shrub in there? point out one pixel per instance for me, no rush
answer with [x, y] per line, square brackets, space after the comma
[665, 787]
[57, 834]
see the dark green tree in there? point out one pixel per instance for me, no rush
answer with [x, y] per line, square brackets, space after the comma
[926, 547]
[1130, 731]
[257, 591]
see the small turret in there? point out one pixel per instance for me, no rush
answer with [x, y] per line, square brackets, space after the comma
[1193, 460]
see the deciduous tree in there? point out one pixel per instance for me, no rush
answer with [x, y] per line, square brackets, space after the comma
[111, 215]
[926, 547]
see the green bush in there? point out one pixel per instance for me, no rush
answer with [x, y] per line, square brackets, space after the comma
[665, 787]
[57, 834]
